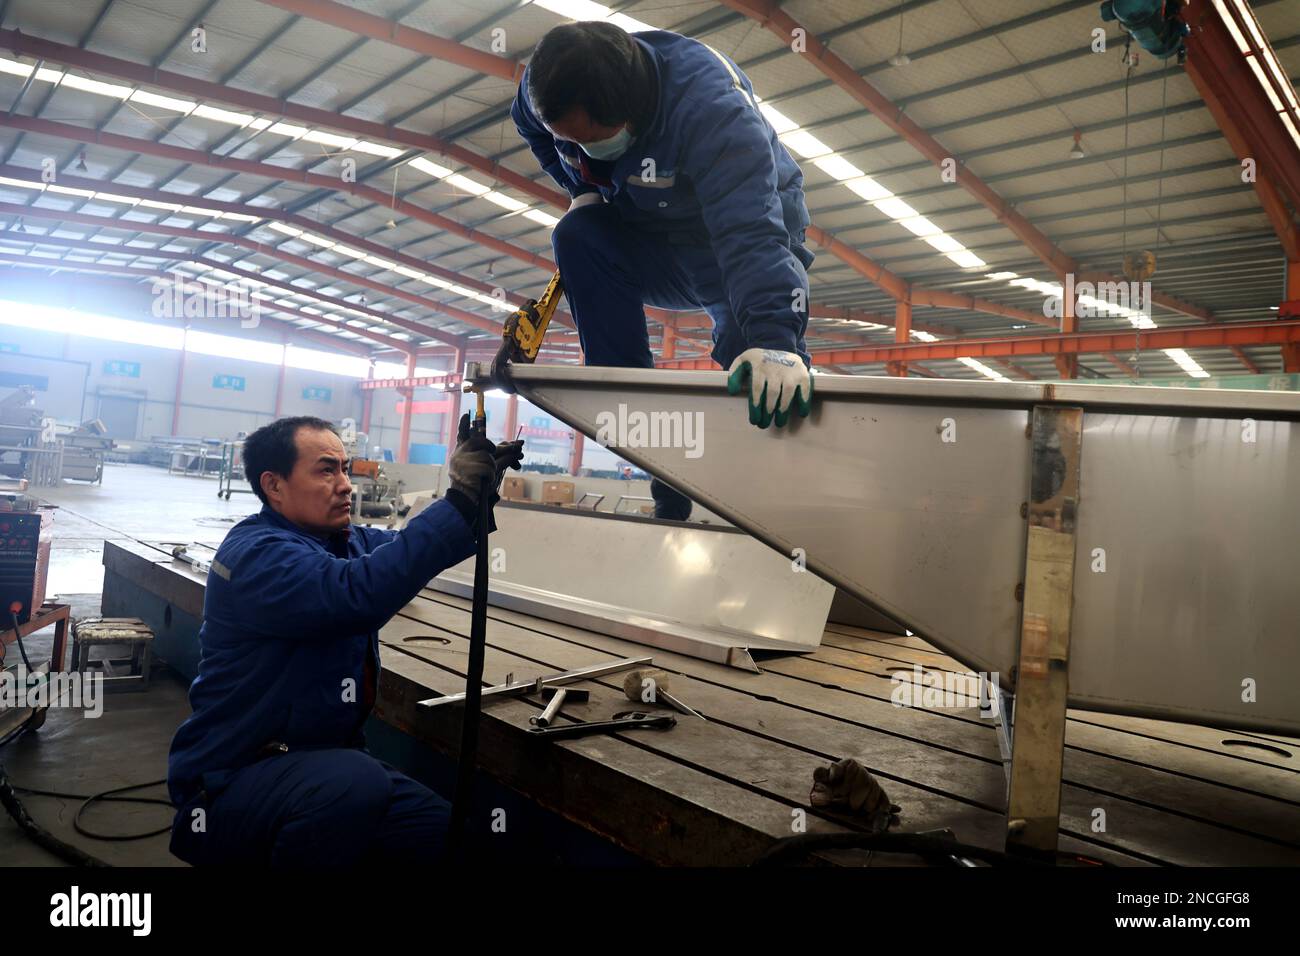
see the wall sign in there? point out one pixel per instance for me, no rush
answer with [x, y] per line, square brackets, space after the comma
[128, 369]
[233, 382]
[8, 347]
[318, 394]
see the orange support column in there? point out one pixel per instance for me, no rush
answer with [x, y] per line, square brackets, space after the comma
[902, 334]
[1293, 281]
[669, 348]
[180, 383]
[575, 456]
[408, 399]
[1067, 366]
[512, 417]
[453, 416]
[279, 384]
[367, 401]
[1291, 357]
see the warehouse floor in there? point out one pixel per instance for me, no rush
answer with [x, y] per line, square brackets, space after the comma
[128, 743]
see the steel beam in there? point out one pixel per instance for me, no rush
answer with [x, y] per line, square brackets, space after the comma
[1217, 335]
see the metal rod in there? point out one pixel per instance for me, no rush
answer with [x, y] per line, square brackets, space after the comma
[473, 683]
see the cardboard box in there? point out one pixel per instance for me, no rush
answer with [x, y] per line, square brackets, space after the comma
[557, 492]
[514, 488]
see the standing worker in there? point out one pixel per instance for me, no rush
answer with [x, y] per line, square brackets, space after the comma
[683, 198]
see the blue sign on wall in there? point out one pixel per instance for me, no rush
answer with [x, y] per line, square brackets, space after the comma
[129, 369]
[18, 380]
[539, 421]
[8, 347]
[233, 382]
[317, 394]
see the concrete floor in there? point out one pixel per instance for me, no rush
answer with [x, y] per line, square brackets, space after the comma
[128, 743]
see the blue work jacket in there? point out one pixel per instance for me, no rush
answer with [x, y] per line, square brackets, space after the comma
[290, 636]
[707, 169]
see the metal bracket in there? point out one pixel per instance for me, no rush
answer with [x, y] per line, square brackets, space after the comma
[1042, 675]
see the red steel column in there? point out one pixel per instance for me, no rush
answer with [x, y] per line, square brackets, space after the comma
[902, 334]
[512, 417]
[279, 385]
[180, 383]
[453, 417]
[408, 396]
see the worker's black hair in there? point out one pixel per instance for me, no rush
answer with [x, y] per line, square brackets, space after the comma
[596, 66]
[274, 448]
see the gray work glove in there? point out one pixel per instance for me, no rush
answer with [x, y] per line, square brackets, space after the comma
[476, 457]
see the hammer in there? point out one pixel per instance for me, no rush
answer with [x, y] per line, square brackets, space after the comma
[556, 697]
[638, 682]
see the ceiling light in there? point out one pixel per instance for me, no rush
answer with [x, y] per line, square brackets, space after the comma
[869, 189]
[222, 116]
[162, 102]
[432, 168]
[900, 58]
[838, 167]
[1076, 151]
[967, 259]
[805, 144]
[895, 208]
[95, 86]
[469, 185]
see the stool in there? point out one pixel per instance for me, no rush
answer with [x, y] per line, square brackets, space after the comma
[120, 633]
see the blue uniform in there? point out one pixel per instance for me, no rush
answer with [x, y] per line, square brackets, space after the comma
[274, 752]
[704, 211]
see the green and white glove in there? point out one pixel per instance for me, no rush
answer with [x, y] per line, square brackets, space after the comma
[779, 383]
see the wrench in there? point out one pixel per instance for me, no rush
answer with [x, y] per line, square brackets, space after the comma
[632, 721]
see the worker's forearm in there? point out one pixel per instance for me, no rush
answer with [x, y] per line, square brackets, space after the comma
[313, 595]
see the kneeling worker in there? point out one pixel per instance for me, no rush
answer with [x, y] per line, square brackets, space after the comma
[271, 767]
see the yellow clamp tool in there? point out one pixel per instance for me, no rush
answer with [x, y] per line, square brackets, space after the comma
[521, 338]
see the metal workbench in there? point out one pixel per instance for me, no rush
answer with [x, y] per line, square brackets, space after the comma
[721, 792]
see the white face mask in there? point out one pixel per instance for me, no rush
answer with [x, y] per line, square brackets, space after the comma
[609, 149]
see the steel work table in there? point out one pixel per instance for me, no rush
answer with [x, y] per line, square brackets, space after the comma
[721, 792]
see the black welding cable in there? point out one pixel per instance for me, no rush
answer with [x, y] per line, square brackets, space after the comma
[18, 636]
[108, 796]
[38, 834]
[472, 712]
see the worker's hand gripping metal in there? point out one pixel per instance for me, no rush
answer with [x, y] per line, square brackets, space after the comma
[521, 338]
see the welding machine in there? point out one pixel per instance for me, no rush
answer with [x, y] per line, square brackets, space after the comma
[24, 557]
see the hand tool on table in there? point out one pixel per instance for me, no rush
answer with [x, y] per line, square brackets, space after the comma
[558, 697]
[631, 721]
[182, 553]
[635, 688]
[513, 688]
